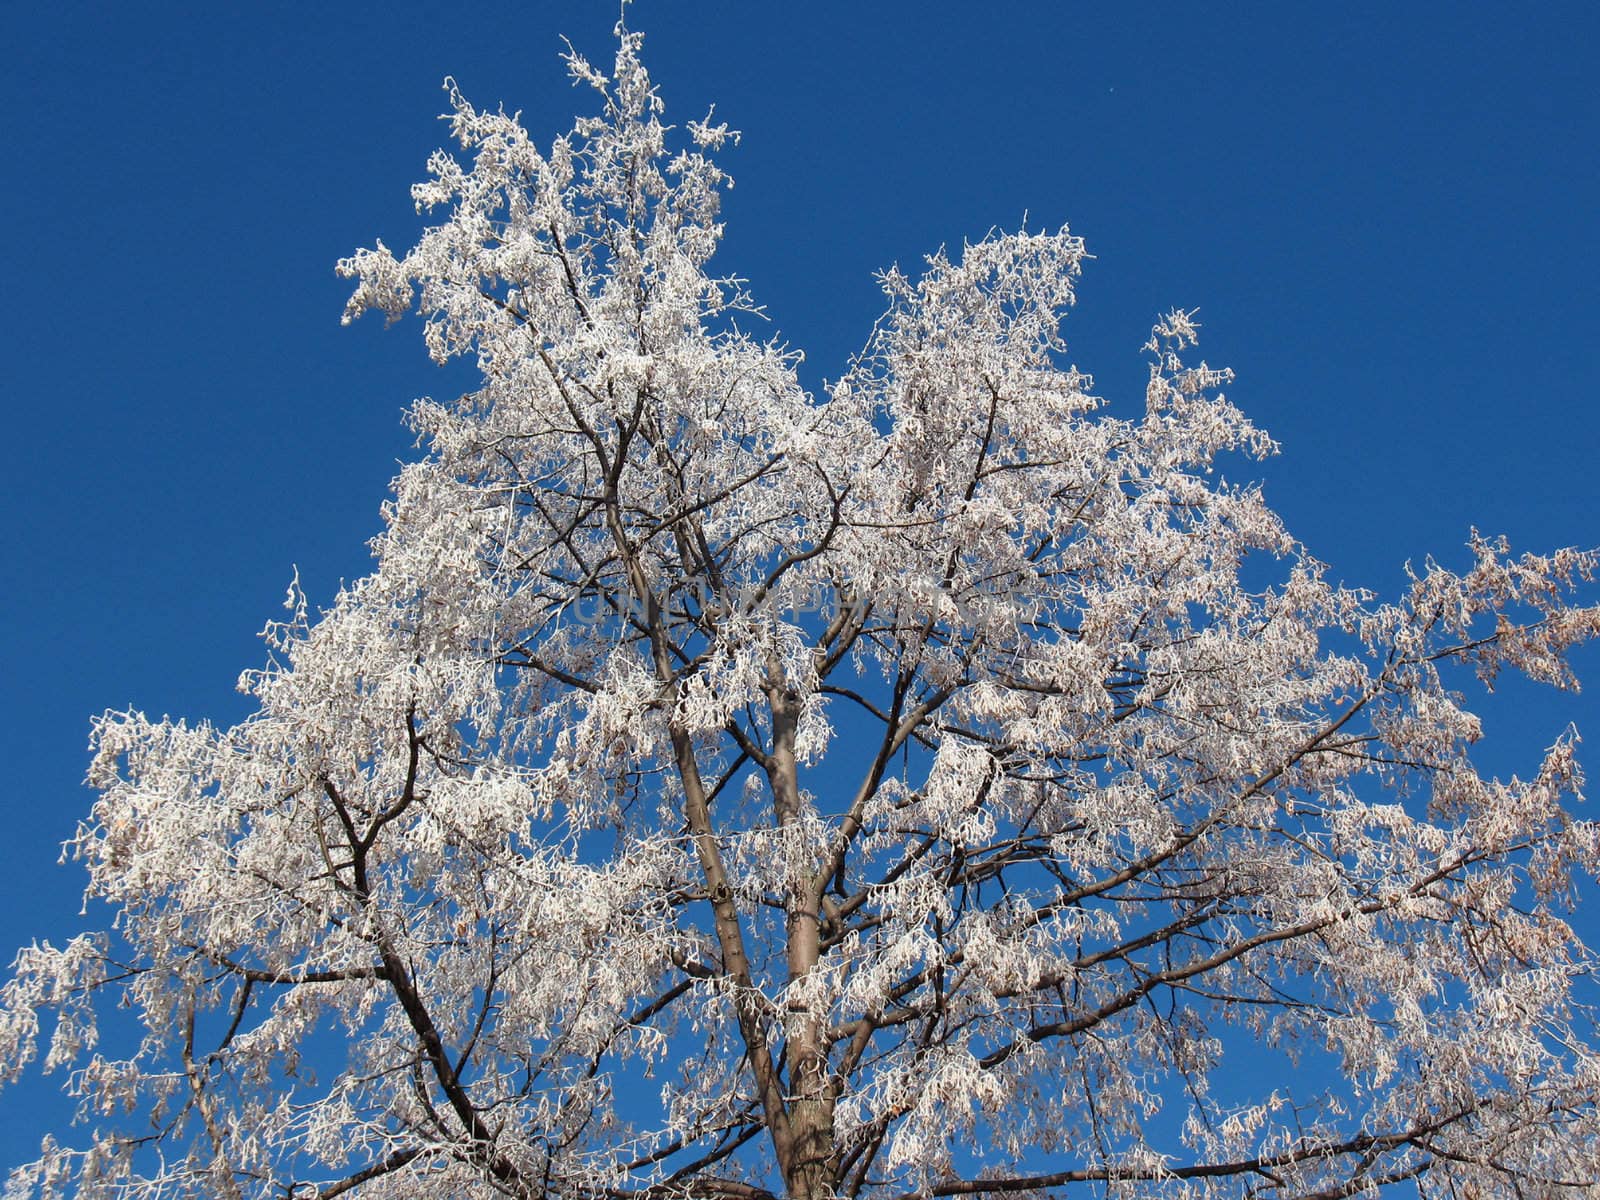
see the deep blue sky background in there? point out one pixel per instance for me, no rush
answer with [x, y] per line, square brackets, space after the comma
[1387, 216]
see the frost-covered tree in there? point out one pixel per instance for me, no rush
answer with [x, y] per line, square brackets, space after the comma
[937, 786]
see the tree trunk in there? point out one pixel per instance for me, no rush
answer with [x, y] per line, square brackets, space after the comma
[811, 1175]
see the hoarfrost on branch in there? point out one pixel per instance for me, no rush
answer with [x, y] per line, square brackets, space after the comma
[716, 790]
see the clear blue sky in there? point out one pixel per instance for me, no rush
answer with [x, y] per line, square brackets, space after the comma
[1388, 216]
